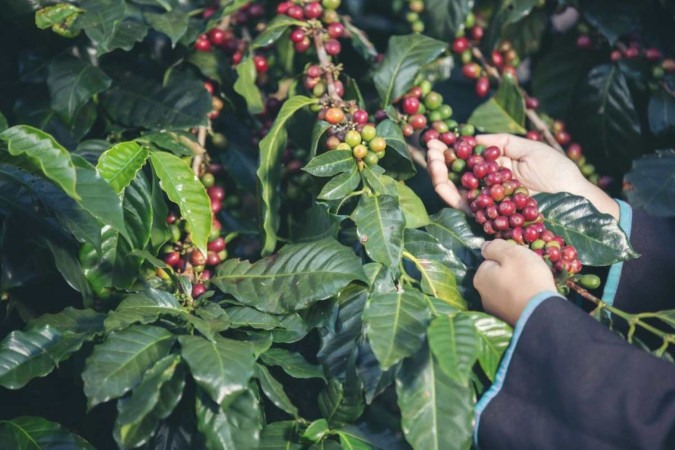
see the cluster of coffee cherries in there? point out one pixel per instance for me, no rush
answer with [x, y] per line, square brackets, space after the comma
[217, 103]
[415, 8]
[504, 207]
[421, 108]
[182, 256]
[314, 13]
[660, 65]
[316, 84]
[351, 130]
[230, 43]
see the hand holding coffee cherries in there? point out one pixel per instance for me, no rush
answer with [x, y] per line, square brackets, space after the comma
[539, 167]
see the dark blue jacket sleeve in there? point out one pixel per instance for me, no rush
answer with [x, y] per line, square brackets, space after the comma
[567, 382]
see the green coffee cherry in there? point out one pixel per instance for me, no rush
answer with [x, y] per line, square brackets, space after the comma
[590, 281]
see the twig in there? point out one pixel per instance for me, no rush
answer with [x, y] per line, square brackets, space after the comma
[326, 65]
[198, 148]
[537, 121]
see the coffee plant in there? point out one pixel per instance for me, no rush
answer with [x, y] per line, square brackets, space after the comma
[216, 234]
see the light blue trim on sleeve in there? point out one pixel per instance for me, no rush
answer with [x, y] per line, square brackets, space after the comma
[504, 365]
[614, 275]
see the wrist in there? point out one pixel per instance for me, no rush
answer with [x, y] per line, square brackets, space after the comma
[602, 202]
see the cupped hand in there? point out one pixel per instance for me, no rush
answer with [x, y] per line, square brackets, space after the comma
[509, 277]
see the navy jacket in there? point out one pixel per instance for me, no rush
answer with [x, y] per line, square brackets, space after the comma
[568, 382]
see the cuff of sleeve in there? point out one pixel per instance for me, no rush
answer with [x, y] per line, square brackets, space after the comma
[506, 361]
[614, 275]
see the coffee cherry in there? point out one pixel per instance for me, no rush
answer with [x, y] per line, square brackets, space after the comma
[378, 144]
[471, 70]
[477, 33]
[429, 135]
[360, 151]
[569, 253]
[507, 208]
[482, 86]
[202, 44]
[172, 259]
[197, 290]
[418, 121]
[298, 35]
[460, 44]
[463, 150]
[335, 116]
[371, 159]
[295, 12]
[631, 52]
[217, 36]
[368, 133]
[530, 234]
[313, 10]
[331, 4]
[497, 192]
[492, 153]
[360, 117]
[212, 259]
[533, 135]
[433, 100]
[353, 138]
[668, 65]
[448, 138]
[216, 193]
[410, 105]
[197, 258]
[216, 206]
[497, 59]
[303, 45]
[260, 63]
[333, 47]
[531, 102]
[470, 181]
[563, 137]
[653, 54]
[217, 245]
[584, 42]
[336, 30]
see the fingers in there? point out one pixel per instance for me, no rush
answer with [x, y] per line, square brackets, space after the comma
[438, 172]
[497, 250]
[513, 147]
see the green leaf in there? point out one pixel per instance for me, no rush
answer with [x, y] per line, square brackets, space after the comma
[341, 186]
[143, 308]
[118, 364]
[452, 229]
[293, 364]
[274, 30]
[105, 23]
[76, 326]
[651, 183]
[341, 404]
[403, 59]
[151, 401]
[159, 232]
[495, 336]
[436, 411]
[280, 436]
[72, 83]
[527, 34]
[398, 162]
[46, 155]
[350, 441]
[222, 367]
[503, 113]
[661, 112]
[141, 103]
[395, 325]
[316, 223]
[437, 267]
[318, 130]
[174, 141]
[24, 355]
[380, 224]
[172, 23]
[36, 433]
[605, 120]
[455, 344]
[613, 19]
[235, 428]
[446, 17]
[55, 15]
[274, 390]
[509, 12]
[331, 163]
[597, 237]
[120, 163]
[316, 430]
[68, 265]
[244, 316]
[360, 42]
[412, 207]
[183, 188]
[246, 87]
[269, 170]
[313, 271]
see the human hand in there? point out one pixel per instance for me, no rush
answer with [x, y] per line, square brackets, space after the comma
[509, 277]
[539, 167]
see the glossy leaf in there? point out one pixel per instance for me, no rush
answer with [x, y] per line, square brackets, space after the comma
[143, 308]
[661, 112]
[45, 154]
[612, 19]
[446, 17]
[273, 31]
[341, 404]
[398, 162]
[72, 83]
[412, 207]
[222, 367]
[246, 87]
[55, 15]
[350, 441]
[452, 229]
[404, 56]
[141, 103]
[455, 344]
[118, 364]
[361, 42]
[503, 113]
[269, 170]
[244, 316]
[183, 188]
[610, 128]
[317, 223]
[380, 224]
[293, 364]
[331, 163]
[151, 401]
[436, 411]
[297, 277]
[120, 163]
[24, 355]
[280, 436]
[36, 433]
[318, 130]
[597, 237]
[395, 325]
[105, 24]
[274, 390]
[235, 428]
[495, 336]
[76, 326]
[508, 12]
[172, 23]
[341, 185]
[651, 183]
